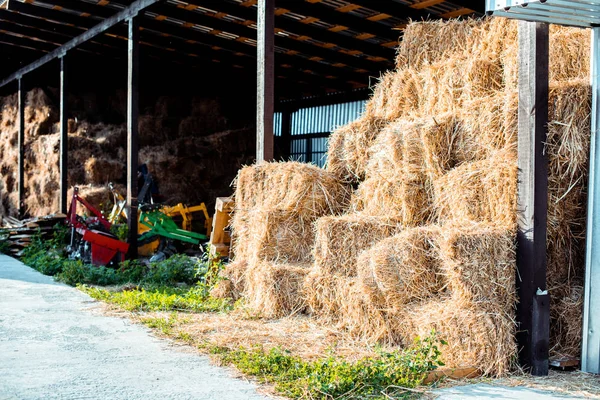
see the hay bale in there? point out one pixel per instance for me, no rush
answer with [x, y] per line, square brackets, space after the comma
[570, 53]
[290, 186]
[275, 290]
[340, 240]
[276, 236]
[103, 170]
[426, 42]
[481, 191]
[347, 155]
[326, 293]
[478, 263]
[409, 201]
[568, 148]
[419, 149]
[489, 124]
[566, 320]
[478, 337]
[398, 94]
[401, 269]
[233, 281]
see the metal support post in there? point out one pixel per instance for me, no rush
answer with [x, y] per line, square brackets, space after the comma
[590, 354]
[64, 134]
[133, 67]
[21, 143]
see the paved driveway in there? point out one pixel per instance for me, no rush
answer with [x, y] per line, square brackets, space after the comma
[54, 344]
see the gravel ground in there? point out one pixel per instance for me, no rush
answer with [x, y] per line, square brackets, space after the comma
[55, 344]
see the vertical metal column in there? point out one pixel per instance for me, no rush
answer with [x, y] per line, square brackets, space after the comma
[64, 134]
[21, 143]
[533, 310]
[590, 352]
[132, 131]
[265, 80]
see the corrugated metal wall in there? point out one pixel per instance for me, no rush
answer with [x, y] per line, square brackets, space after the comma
[312, 125]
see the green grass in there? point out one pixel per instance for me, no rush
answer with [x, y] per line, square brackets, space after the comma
[194, 299]
[387, 375]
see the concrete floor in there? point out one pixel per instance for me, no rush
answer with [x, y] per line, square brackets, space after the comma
[54, 344]
[483, 391]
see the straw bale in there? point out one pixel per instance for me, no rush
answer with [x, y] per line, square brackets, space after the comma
[340, 240]
[478, 262]
[277, 236]
[488, 124]
[409, 201]
[570, 53]
[275, 290]
[478, 337]
[401, 269]
[483, 77]
[568, 148]
[347, 155]
[103, 170]
[233, 281]
[566, 320]
[426, 42]
[326, 293]
[396, 95]
[418, 149]
[290, 186]
[481, 191]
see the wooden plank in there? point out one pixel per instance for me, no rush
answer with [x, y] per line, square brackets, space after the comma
[265, 93]
[224, 204]
[218, 234]
[565, 362]
[451, 373]
[133, 69]
[21, 144]
[533, 309]
[100, 28]
[64, 135]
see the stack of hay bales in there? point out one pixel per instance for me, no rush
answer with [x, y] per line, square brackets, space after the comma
[276, 205]
[429, 239]
[194, 157]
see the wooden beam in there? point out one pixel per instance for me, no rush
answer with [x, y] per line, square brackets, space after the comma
[133, 72]
[533, 309]
[330, 15]
[21, 143]
[98, 29]
[281, 41]
[301, 28]
[265, 90]
[64, 134]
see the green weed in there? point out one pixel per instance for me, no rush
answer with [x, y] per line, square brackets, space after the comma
[161, 299]
[385, 376]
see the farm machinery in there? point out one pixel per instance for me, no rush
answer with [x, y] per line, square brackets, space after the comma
[91, 240]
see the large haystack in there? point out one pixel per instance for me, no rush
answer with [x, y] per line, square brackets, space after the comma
[429, 239]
